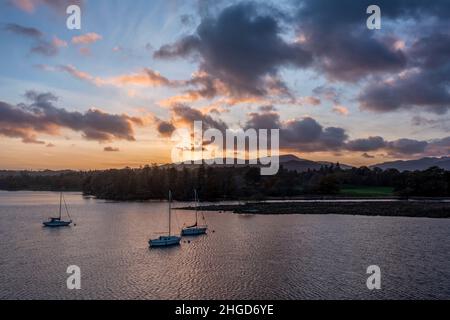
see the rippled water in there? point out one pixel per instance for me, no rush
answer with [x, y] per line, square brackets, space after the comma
[247, 257]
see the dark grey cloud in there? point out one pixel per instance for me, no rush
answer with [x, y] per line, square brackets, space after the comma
[426, 85]
[406, 146]
[400, 77]
[441, 123]
[302, 134]
[343, 47]
[187, 115]
[40, 116]
[263, 120]
[368, 144]
[45, 48]
[424, 89]
[182, 47]
[206, 85]
[396, 147]
[333, 138]
[437, 147]
[331, 13]
[308, 135]
[244, 46]
[241, 47]
[415, 75]
[301, 131]
[23, 31]
[165, 128]
[111, 149]
[41, 45]
[431, 51]
[329, 93]
[27, 136]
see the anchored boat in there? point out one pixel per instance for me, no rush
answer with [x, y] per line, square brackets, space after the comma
[195, 229]
[167, 240]
[58, 222]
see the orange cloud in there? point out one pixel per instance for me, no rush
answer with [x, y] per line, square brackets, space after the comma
[238, 100]
[59, 42]
[77, 73]
[25, 5]
[85, 51]
[59, 6]
[187, 97]
[340, 110]
[310, 101]
[87, 38]
[145, 77]
[204, 88]
[209, 88]
[213, 108]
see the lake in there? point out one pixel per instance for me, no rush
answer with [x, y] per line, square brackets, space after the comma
[246, 257]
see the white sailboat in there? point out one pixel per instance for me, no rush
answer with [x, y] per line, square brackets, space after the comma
[195, 229]
[168, 240]
[58, 222]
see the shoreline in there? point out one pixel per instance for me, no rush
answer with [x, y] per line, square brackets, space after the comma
[402, 208]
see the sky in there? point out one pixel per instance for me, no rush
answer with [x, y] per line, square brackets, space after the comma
[111, 94]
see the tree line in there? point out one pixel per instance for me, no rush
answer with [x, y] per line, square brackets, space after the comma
[217, 183]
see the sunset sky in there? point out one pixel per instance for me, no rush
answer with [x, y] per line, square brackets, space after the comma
[110, 94]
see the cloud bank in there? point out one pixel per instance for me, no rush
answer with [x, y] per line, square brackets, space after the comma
[40, 116]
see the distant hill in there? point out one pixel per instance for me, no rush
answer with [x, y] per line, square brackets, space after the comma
[342, 165]
[289, 161]
[40, 173]
[294, 163]
[419, 164]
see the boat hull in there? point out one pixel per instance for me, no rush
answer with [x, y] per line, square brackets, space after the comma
[193, 231]
[165, 241]
[55, 224]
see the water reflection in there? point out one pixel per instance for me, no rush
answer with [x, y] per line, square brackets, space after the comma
[248, 256]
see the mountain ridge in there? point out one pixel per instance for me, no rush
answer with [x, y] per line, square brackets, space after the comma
[288, 161]
[415, 164]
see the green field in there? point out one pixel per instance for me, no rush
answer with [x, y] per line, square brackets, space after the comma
[363, 191]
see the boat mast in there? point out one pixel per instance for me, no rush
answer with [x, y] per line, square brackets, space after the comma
[60, 205]
[170, 208]
[196, 204]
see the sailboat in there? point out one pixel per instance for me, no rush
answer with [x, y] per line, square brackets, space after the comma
[195, 229]
[169, 240]
[58, 222]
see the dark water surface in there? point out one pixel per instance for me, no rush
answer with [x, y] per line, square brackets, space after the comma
[247, 257]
